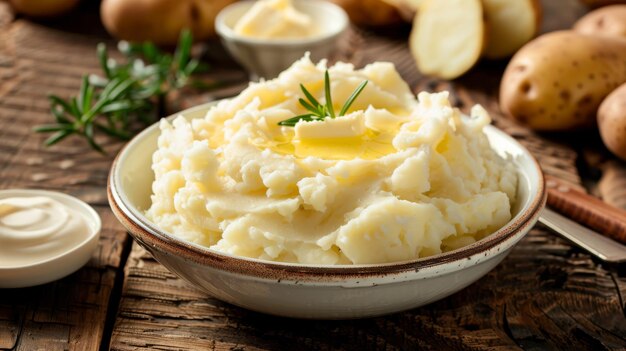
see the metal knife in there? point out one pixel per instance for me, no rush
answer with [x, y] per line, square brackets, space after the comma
[597, 244]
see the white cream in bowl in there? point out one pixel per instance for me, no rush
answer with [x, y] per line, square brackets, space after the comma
[44, 236]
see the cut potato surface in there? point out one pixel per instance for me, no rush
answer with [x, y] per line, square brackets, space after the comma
[447, 37]
[511, 24]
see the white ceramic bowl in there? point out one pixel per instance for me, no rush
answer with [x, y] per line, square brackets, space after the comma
[321, 292]
[66, 263]
[268, 57]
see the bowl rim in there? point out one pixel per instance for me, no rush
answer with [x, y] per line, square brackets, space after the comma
[151, 237]
[227, 33]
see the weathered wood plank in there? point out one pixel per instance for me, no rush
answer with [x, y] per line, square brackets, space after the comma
[69, 314]
[546, 295]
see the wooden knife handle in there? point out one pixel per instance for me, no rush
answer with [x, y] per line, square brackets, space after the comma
[586, 209]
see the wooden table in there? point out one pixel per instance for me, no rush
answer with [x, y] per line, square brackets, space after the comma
[545, 295]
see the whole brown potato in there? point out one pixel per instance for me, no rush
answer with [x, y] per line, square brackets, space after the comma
[43, 8]
[558, 80]
[160, 21]
[370, 12]
[612, 121]
[606, 21]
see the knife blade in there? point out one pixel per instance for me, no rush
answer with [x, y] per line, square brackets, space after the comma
[597, 244]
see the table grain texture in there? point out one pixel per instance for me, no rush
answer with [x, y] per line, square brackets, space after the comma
[545, 295]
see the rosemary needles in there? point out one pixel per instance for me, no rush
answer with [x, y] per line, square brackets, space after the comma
[127, 93]
[317, 111]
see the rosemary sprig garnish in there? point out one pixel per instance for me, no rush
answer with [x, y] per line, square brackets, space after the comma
[317, 111]
[129, 92]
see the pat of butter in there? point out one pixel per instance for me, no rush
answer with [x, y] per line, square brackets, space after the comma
[275, 19]
[351, 125]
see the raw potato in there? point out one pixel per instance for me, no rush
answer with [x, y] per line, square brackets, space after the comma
[407, 8]
[511, 24]
[557, 81]
[370, 12]
[43, 8]
[598, 3]
[447, 37]
[607, 21]
[612, 121]
[160, 21]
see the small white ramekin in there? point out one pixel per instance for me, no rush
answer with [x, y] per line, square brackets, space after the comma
[50, 269]
[266, 58]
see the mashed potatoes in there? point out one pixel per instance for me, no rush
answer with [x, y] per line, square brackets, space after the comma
[394, 179]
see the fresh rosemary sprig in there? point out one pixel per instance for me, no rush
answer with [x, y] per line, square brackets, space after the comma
[127, 93]
[319, 112]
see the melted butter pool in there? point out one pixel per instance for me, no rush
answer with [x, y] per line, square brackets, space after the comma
[370, 146]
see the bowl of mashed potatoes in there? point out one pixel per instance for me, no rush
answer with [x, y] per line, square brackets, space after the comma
[394, 203]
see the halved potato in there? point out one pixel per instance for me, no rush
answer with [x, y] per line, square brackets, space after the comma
[447, 37]
[511, 24]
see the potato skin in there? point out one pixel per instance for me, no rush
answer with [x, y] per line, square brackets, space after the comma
[406, 8]
[598, 3]
[160, 21]
[557, 81]
[607, 21]
[43, 8]
[371, 13]
[612, 121]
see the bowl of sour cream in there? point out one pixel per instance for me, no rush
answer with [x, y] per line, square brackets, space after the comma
[44, 236]
[267, 36]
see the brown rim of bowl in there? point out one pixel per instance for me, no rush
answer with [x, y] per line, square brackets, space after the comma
[153, 238]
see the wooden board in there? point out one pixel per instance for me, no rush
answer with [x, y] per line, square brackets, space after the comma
[70, 314]
[545, 295]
